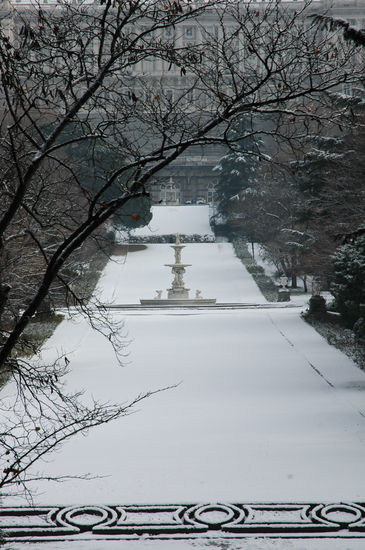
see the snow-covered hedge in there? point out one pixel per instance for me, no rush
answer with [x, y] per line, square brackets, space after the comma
[171, 239]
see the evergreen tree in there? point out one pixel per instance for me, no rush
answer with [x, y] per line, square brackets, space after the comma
[92, 163]
[348, 286]
[330, 180]
[237, 169]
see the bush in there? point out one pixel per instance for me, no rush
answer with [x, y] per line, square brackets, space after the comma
[348, 286]
[170, 238]
[317, 306]
[254, 268]
[359, 328]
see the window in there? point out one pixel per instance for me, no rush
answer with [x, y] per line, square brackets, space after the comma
[189, 33]
[347, 89]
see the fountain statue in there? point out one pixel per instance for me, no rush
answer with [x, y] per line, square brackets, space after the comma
[178, 290]
[178, 294]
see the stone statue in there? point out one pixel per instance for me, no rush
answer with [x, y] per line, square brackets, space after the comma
[284, 281]
[158, 295]
[283, 291]
[198, 294]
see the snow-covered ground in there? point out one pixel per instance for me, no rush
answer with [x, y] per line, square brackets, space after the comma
[214, 270]
[216, 544]
[168, 220]
[262, 409]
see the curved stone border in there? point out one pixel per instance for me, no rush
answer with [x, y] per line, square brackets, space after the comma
[184, 521]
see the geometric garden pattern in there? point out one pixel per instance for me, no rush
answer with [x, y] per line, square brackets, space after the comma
[179, 521]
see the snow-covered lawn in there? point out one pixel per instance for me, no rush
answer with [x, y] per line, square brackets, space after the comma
[168, 220]
[254, 416]
[248, 544]
[262, 409]
[215, 271]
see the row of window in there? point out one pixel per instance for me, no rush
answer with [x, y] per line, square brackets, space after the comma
[196, 34]
[169, 95]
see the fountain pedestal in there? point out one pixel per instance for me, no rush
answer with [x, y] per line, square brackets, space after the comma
[178, 290]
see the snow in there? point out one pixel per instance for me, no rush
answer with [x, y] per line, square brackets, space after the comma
[214, 269]
[169, 220]
[254, 543]
[260, 408]
[250, 418]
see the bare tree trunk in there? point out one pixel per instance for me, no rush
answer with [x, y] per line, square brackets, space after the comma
[305, 283]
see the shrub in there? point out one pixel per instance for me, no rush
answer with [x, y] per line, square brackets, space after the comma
[254, 268]
[348, 286]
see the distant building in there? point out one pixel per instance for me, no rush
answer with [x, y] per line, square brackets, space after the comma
[189, 179]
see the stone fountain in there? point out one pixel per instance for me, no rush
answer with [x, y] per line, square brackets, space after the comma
[178, 294]
[178, 290]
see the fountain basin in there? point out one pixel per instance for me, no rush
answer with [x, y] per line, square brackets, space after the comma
[178, 302]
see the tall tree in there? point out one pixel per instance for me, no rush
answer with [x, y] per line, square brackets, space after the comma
[237, 168]
[330, 179]
[348, 285]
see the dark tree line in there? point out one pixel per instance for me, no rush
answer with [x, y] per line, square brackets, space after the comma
[307, 208]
